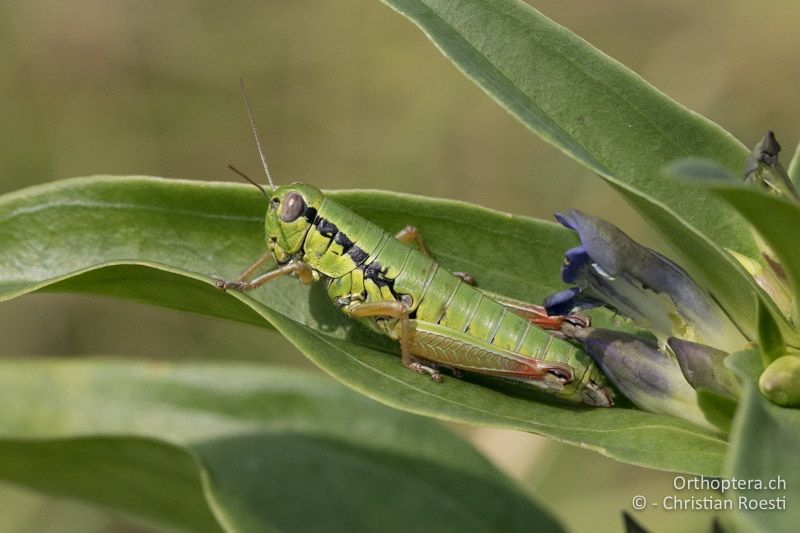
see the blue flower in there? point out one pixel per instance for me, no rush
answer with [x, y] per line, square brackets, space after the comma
[694, 335]
[611, 269]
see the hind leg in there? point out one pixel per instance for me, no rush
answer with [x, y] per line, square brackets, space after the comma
[399, 311]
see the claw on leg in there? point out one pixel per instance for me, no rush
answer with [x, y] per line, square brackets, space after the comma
[420, 368]
[466, 277]
[225, 285]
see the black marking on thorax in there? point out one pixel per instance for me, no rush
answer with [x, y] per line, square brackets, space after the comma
[328, 229]
[357, 255]
[344, 241]
[377, 273]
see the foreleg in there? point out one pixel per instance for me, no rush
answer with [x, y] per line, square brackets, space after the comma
[242, 284]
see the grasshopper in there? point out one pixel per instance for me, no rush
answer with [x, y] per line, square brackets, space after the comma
[439, 318]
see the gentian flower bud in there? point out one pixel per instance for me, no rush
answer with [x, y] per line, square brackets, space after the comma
[780, 382]
[647, 376]
[703, 366]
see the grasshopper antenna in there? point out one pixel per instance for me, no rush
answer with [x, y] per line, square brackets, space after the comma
[255, 136]
[245, 176]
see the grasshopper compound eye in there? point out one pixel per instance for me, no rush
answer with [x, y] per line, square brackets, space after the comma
[292, 207]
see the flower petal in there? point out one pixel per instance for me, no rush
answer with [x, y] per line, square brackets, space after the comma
[563, 302]
[576, 260]
[642, 284]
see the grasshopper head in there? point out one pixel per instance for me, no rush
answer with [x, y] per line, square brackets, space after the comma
[291, 212]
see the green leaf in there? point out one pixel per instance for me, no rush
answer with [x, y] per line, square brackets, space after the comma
[607, 118]
[144, 477]
[245, 448]
[217, 229]
[746, 366]
[770, 340]
[794, 167]
[23, 507]
[116, 236]
[699, 169]
[773, 327]
[773, 216]
[717, 408]
[765, 439]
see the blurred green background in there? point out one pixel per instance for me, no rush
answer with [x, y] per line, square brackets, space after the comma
[348, 94]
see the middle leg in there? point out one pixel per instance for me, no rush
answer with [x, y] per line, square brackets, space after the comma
[411, 234]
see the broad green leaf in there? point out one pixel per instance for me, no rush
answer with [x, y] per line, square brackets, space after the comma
[23, 507]
[244, 448]
[217, 229]
[764, 439]
[156, 241]
[607, 118]
[145, 477]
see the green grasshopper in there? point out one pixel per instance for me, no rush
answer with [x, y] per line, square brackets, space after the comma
[439, 318]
